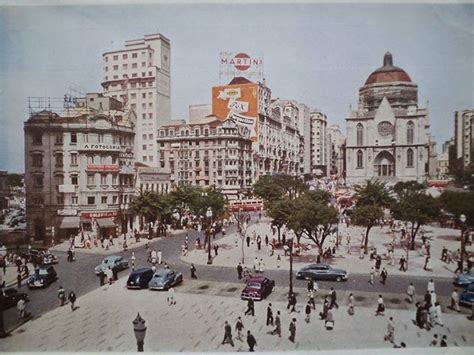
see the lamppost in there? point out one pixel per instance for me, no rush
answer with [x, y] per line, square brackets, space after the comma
[208, 229]
[462, 219]
[289, 241]
[140, 330]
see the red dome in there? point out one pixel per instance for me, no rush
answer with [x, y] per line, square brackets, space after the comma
[387, 73]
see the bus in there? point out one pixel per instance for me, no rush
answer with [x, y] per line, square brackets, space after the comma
[245, 205]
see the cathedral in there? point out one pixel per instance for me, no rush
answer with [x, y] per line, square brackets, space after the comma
[388, 136]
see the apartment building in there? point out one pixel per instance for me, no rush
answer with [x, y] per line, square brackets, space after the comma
[319, 143]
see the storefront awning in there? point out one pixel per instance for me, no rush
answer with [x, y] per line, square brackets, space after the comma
[71, 222]
[105, 222]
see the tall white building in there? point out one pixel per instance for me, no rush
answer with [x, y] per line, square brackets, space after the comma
[319, 144]
[139, 76]
[335, 140]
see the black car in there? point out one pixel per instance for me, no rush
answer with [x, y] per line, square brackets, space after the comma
[10, 297]
[39, 257]
[140, 278]
[43, 276]
[321, 272]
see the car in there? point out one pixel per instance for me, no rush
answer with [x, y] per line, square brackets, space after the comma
[39, 257]
[321, 272]
[140, 278]
[164, 279]
[10, 297]
[257, 288]
[112, 261]
[464, 279]
[467, 296]
[48, 258]
[43, 276]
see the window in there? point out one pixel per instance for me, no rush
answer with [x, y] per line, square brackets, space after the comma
[37, 139]
[150, 73]
[124, 66]
[59, 160]
[106, 58]
[143, 64]
[59, 139]
[114, 200]
[90, 159]
[115, 77]
[114, 179]
[73, 138]
[74, 180]
[360, 134]
[150, 158]
[103, 200]
[124, 56]
[37, 160]
[90, 179]
[115, 67]
[101, 138]
[74, 199]
[114, 160]
[38, 180]
[150, 116]
[144, 147]
[150, 136]
[144, 137]
[60, 199]
[134, 65]
[134, 55]
[410, 132]
[91, 200]
[360, 157]
[103, 160]
[410, 158]
[115, 57]
[85, 136]
[103, 179]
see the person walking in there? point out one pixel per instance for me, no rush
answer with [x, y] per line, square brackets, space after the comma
[61, 296]
[133, 259]
[383, 276]
[431, 286]
[402, 264]
[277, 329]
[351, 305]
[259, 242]
[333, 297]
[102, 277]
[251, 341]
[372, 276]
[250, 307]
[216, 249]
[380, 306]
[390, 331]
[308, 312]
[154, 257]
[411, 292]
[439, 316]
[240, 269]
[455, 301]
[110, 275]
[291, 303]
[239, 326]
[292, 329]
[255, 265]
[311, 299]
[228, 334]
[443, 342]
[266, 240]
[159, 257]
[278, 261]
[21, 306]
[261, 266]
[72, 299]
[18, 280]
[171, 299]
[269, 315]
[193, 271]
[310, 285]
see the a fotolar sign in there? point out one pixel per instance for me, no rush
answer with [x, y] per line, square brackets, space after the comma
[99, 147]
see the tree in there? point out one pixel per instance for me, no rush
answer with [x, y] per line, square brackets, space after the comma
[275, 187]
[150, 206]
[371, 199]
[417, 208]
[280, 211]
[15, 180]
[203, 198]
[266, 189]
[458, 203]
[181, 196]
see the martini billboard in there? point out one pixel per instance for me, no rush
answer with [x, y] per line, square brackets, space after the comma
[234, 64]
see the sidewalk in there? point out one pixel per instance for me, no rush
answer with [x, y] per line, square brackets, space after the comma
[230, 255]
[103, 322]
[11, 274]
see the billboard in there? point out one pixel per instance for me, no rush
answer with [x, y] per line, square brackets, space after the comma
[232, 64]
[238, 103]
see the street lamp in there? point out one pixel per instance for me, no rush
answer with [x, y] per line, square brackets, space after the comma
[289, 241]
[462, 219]
[209, 219]
[140, 330]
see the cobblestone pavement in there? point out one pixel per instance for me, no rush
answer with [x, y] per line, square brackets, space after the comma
[103, 322]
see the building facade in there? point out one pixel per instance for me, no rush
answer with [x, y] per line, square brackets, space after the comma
[319, 143]
[152, 179]
[210, 152]
[463, 154]
[139, 76]
[79, 168]
[335, 159]
[388, 136]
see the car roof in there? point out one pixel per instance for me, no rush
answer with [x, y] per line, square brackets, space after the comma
[164, 272]
[141, 271]
[257, 279]
[112, 257]
[314, 265]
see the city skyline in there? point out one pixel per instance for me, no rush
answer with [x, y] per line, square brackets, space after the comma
[46, 61]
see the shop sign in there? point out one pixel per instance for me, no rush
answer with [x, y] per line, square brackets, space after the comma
[102, 214]
[67, 212]
[99, 147]
[103, 168]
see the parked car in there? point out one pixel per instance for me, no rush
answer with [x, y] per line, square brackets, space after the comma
[467, 296]
[10, 297]
[321, 272]
[140, 278]
[164, 279]
[43, 276]
[464, 279]
[48, 258]
[112, 261]
[257, 288]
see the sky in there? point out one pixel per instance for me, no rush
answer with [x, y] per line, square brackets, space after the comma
[318, 54]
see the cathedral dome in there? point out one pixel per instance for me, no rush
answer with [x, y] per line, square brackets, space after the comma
[387, 73]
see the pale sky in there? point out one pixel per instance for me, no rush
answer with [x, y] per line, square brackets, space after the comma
[318, 54]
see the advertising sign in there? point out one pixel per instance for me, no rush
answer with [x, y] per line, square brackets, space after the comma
[103, 147]
[234, 64]
[100, 214]
[238, 103]
[67, 212]
[103, 168]
[67, 188]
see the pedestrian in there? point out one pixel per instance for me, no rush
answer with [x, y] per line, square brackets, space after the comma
[311, 298]
[171, 299]
[159, 257]
[324, 312]
[115, 273]
[383, 276]
[261, 266]
[428, 299]
[402, 264]
[308, 312]
[418, 318]
[390, 331]
[266, 240]
[259, 242]
[434, 341]
[248, 241]
[378, 263]
[292, 330]
[228, 334]
[250, 307]
[411, 292]
[18, 280]
[102, 277]
[62, 295]
[216, 248]
[310, 285]
[431, 286]
[333, 298]
[251, 341]
[255, 265]
[291, 302]
[269, 315]
[21, 306]
[372, 276]
[351, 305]
[380, 307]
[110, 275]
[72, 299]
[240, 269]
[433, 297]
[443, 342]
[277, 329]
[455, 301]
[278, 261]
[439, 316]
[427, 264]
[193, 271]
[329, 321]
[239, 325]
[133, 259]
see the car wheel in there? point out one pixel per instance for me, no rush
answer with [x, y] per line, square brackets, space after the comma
[338, 278]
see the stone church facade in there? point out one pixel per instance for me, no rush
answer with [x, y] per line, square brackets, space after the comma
[388, 136]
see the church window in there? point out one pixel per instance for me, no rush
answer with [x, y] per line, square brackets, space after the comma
[409, 158]
[360, 157]
[360, 134]
[410, 132]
